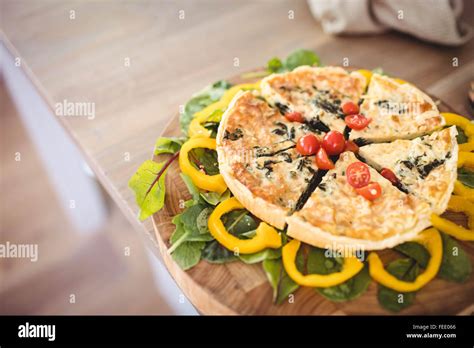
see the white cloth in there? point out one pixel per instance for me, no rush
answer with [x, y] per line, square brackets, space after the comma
[431, 20]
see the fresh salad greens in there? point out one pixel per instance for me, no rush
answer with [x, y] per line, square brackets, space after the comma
[294, 60]
[206, 97]
[403, 269]
[192, 241]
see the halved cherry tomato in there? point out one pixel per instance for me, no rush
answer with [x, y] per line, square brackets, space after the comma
[333, 143]
[358, 174]
[357, 121]
[371, 191]
[389, 175]
[323, 161]
[351, 146]
[308, 145]
[294, 116]
[350, 108]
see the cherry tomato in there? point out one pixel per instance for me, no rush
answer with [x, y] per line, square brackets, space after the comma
[294, 116]
[350, 108]
[308, 145]
[389, 175]
[333, 143]
[323, 161]
[370, 192]
[357, 121]
[351, 146]
[358, 174]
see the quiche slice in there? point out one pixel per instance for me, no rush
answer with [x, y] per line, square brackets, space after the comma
[425, 166]
[258, 160]
[337, 217]
[397, 111]
[317, 93]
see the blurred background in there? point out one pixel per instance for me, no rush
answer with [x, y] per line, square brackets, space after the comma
[64, 180]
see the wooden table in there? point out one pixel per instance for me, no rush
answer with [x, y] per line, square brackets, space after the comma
[139, 61]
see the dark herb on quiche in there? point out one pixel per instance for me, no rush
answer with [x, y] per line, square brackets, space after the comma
[317, 126]
[362, 141]
[282, 108]
[233, 136]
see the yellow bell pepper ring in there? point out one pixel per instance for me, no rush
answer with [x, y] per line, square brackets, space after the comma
[463, 190]
[465, 159]
[226, 98]
[214, 183]
[367, 74]
[457, 120]
[460, 204]
[468, 147]
[265, 237]
[452, 229]
[431, 240]
[351, 267]
[195, 127]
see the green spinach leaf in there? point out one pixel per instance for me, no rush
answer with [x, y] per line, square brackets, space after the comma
[267, 254]
[403, 269]
[148, 184]
[188, 254]
[216, 253]
[275, 65]
[320, 261]
[461, 137]
[281, 283]
[193, 190]
[416, 251]
[301, 57]
[168, 145]
[350, 289]
[214, 198]
[205, 159]
[466, 176]
[206, 97]
[456, 265]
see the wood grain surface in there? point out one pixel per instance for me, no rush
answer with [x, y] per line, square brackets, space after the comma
[238, 288]
[84, 59]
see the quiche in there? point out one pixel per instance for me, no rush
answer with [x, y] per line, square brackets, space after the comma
[257, 158]
[397, 111]
[336, 216]
[262, 166]
[317, 93]
[426, 166]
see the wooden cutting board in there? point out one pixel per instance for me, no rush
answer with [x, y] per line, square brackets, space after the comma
[238, 288]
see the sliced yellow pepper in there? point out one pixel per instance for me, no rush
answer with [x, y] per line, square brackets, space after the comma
[265, 237]
[452, 229]
[213, 183]
[469, 146]
[464, 191]
[400, 81]
[466, 159]
[460, 204]
[351, 267]
[367, 74]
[195, 127]
[431, 240]
[462, 122]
